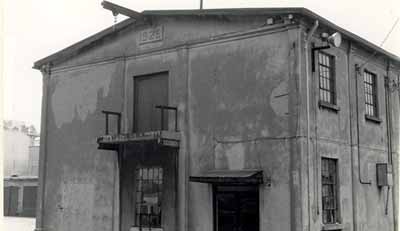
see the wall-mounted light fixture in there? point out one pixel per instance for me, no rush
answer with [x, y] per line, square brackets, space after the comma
[334, 39]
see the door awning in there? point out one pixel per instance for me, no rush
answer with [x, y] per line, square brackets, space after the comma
[247, 176]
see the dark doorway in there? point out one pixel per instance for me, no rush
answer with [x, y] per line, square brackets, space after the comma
[150, 91]
[11, 201]
[148, 187]
[236, 208]
[29, 201]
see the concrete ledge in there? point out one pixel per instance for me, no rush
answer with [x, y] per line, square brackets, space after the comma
[168, 138]
[332, 227]
[373, 119]
[133, 228]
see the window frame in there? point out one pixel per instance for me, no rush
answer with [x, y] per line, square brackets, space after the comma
[331, 78]
[139, 193]
[335, 190]
[373, 95]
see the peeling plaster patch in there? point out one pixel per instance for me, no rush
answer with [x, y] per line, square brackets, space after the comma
[265, 132]
[76, 93]
[235, 156]
[279, 99]
[221, 106]
[258, 75]
[220, 157]
[250, 126]
[229, 156]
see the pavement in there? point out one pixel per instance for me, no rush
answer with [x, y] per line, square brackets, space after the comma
[17, 224]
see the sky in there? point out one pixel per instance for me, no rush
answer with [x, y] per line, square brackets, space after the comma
[34, 29]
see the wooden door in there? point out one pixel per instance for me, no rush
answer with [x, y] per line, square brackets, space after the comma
[150, 91]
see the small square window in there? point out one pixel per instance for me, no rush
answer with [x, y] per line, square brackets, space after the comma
[370, 92]
[327, 90]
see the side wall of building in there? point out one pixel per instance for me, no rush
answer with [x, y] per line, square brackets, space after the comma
[346, 135]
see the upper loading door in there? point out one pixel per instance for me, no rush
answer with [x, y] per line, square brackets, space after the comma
[150, 91]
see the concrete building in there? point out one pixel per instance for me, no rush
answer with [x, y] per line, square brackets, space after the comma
[225, 119]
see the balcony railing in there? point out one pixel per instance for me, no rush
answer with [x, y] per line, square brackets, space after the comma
[111, 113]
[163, 109]
[163, 135]
[168, 108]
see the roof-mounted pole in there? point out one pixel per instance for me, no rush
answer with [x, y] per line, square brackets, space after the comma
[116, 9]
[201, 4]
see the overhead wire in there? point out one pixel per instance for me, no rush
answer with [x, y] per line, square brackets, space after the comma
[383, 42]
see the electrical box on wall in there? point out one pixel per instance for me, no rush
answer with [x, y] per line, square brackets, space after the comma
[383, 174]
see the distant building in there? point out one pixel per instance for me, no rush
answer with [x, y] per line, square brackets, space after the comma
[20, 196]
[21, 149]
[21, 156]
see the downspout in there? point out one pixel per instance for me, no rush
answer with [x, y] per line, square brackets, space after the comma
[388, 114]
[306, 47]
[357, 71]
[395, 191]
[353, 187]
[390, 143]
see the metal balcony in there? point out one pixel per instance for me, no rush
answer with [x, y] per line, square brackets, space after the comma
[161, 136]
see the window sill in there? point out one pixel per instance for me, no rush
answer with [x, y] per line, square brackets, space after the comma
[329, 106]
[373, 119]
[336, 226]
[135, 228]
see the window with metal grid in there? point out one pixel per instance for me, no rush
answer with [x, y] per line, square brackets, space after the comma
[148, 196]
[371, 105]
[329, 191]
[326, 78]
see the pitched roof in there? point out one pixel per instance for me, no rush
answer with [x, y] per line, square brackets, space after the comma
[75, 48]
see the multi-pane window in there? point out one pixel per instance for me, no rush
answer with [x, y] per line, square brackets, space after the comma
[371, 106]
[326, 78]
[329, 191]
[148, 196]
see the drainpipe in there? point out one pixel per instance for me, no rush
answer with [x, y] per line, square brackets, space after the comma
[389, 124]
[306, 47]
[388, 130]
[353, 186]
[357, 72]
[388, 113]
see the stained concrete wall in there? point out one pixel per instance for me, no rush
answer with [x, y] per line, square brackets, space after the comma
[80, 180]
[239, 94]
